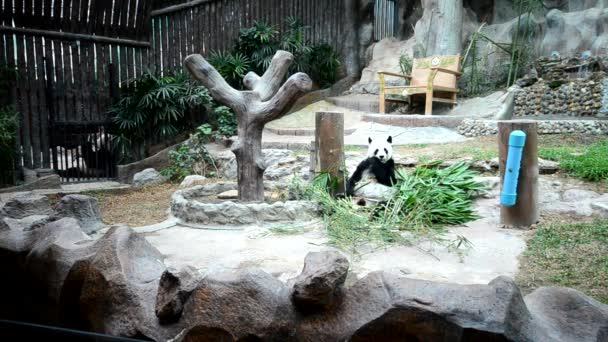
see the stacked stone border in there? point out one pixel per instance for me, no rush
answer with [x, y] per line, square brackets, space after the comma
[476, 128]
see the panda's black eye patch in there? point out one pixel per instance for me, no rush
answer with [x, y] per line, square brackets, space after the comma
[376, 152]
[386, 151]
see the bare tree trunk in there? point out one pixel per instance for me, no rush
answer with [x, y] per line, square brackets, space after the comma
[266, 101]
[439, 31]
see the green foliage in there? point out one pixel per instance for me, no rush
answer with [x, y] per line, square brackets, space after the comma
[231, 65]
[156, 105]
[426, 200]
[572, 255]
[322, 64]
[405, 64]
[431, 196]
[226, 121]
[591, 164]
[192, 157]
[259, 42]
[8, 130]
[257, 45]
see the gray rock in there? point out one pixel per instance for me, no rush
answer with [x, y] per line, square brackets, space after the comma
[383, 307]
[320, 283]
[59, 246]
[246, 305]
[26, 204]
[575, 195]
[192, 180]
[3, 225]
[83, 208]
[27, 223]
[376, 191]
[600, 206]
[174, 289]
[230, 194]
[567, 314]
[115, 286]
[148, 177]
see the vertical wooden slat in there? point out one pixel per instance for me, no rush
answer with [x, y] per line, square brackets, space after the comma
[122, 60]
[181, 38]
[68, 83]
[76, 82]
[43, 107]
[49, 70]
[33, 112]
[23, 104]
[165, 40]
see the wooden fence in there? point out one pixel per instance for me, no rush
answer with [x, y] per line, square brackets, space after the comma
[72, 57]
[205, 25]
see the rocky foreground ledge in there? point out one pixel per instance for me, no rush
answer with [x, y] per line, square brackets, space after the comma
[54, 273]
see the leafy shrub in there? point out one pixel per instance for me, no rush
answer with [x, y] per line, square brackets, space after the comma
[259, 42]
[257, 45]
[405, 65]
[226, 121]
[231, 65]
[154, 107]
[591, 164]
[322, 63]
[192, 157]
[9, 122]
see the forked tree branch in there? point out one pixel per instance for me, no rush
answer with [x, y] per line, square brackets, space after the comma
[218, 88]
[267, 85]
[296, 86]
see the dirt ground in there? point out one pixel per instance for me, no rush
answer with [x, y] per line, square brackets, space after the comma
[136, 206]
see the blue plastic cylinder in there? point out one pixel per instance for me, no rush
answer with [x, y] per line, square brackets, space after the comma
[517, 140]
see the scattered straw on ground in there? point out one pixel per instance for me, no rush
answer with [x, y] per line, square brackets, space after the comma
[137, 206]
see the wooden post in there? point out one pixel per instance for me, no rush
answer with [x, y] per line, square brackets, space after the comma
[329, 146]
[525, 212]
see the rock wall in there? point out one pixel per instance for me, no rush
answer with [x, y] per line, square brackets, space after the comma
[118, 284]
[578, 98]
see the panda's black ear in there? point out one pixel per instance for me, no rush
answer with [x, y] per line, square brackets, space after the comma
[390, 139]
[369, 140]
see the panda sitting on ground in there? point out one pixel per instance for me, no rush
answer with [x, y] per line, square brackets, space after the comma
[379, 163]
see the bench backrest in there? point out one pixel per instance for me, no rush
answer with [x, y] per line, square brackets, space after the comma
[421, 70]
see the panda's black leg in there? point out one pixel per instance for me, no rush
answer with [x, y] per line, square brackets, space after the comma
[356, 177]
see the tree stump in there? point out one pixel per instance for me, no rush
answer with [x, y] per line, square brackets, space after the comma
[329, 147]
[266, 101]
[525, 212]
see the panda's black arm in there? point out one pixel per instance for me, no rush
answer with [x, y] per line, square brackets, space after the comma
[352, 181]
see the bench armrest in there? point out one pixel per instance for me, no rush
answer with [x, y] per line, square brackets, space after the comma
[394, 74]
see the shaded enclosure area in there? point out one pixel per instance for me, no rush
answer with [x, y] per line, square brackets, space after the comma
[72, 58]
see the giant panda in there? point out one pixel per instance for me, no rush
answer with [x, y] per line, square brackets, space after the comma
[379, 163]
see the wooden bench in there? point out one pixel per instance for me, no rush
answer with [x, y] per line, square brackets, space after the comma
[433, 79]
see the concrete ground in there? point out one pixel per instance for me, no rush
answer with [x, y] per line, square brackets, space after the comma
[494, 251]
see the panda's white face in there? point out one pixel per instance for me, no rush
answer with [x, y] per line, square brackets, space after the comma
[381, 149]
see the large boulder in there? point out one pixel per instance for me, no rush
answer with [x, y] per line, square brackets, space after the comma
[247, 305]
[568, 315]
[320, 283]
[26, 204]
[113, 290]
[83, 208]
[148, 177]
[383, 307]
[58, 246]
